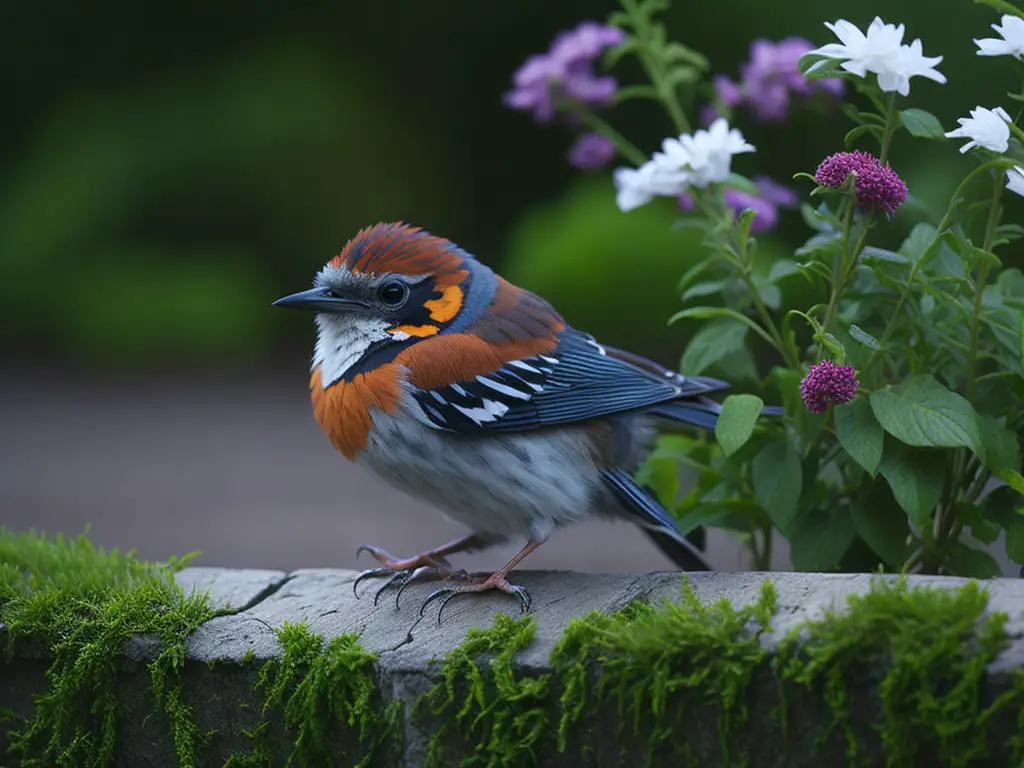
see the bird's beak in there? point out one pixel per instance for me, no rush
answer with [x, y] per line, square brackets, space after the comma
[321, 299]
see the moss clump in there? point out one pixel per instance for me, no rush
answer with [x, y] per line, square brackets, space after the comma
[653, 661]
[656, 669]
[318, 686]
[502, 713]
[934, 645]
[83, 603]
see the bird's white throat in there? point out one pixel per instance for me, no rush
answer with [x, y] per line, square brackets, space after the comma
[342, 340]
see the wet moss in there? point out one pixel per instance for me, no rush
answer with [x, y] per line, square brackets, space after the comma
[80, 604]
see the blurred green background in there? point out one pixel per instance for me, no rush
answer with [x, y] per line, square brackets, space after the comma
[167, 170]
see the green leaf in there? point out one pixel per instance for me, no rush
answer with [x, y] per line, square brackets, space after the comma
[922, 412]
[1015, 541]
[705, 289]
[736, 421]
[1001, 505]
[630, 92]
[1002, 451]
[974, 563]
[677, 52]
[781, 269]
[915, 480]
[864, 337]
[710, 344]
[984, 530]
[704, 313]
[778, 478]
[882, 525]
[923, 124]
[662, 477]
[1003, 7]
[1012, 478]
[820, 539]
[734, 514]
[860, 434]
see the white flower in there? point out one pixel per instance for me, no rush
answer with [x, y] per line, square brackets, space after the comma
[1012, 44]
[1015, 180]
[880, 51]
[706, 156]
[638, 186]
[988, 128]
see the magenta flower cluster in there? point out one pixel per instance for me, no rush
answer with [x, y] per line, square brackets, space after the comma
[771, 78]
[875, 186]
[828, 384]
[566, 71]
[766, 203]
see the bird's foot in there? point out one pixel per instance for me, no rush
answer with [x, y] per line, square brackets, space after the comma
[423, 567]
[498, 580]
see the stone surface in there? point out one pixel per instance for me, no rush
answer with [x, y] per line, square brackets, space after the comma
[231, 589]
[219, 686]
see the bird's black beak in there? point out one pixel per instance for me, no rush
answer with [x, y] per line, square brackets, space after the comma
[321, 299]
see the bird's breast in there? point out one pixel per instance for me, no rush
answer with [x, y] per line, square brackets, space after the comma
[343, 410]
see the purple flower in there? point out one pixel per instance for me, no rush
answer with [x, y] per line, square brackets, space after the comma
[766, 203]
[591, 151]
[828, 384]
[565, 71]
[729, 92]
[875, 186]
[771, 77]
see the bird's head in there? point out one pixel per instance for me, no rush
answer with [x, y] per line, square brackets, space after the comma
[391, 286]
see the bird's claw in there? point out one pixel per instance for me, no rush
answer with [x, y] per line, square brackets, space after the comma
[447, 594]
[369, 574]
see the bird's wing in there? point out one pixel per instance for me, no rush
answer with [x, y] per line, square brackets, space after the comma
[578, 380]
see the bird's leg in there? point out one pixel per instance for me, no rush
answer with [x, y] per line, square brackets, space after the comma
[432, 564]
[497, 580]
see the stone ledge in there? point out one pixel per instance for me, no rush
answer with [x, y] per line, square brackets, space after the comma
[220, 672]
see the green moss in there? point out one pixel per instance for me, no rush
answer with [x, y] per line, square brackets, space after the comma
[934, 645]
[500, 712]
[653, 670]
[318, 686]
[82, 604]
[650, 680]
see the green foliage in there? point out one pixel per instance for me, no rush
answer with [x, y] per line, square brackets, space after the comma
[82, 604]
[937, 644]
[503, 714]
[329, 698]
[889, 473]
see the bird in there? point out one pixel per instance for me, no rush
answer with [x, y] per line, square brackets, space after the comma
[471, 394]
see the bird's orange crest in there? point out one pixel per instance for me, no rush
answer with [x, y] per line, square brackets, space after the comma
[400, 247]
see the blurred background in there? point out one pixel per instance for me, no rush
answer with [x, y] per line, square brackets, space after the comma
[167, 170]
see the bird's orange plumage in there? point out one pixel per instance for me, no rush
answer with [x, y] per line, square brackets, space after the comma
[343, 410]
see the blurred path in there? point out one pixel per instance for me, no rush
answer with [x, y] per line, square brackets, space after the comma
[172, 465]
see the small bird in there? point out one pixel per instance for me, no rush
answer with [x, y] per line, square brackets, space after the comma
[466, 392]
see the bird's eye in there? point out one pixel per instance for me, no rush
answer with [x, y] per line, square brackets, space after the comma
[393, 293]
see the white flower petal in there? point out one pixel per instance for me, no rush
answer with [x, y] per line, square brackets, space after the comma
[1015, 180]
[988, 128]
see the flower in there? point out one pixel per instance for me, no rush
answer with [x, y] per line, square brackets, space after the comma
[828, 384]
[1012, 44]
[1015, 180]
[566, 70]
[591, 151]
[880, 51]
[638, 186]
[706, 155]
[770, 77]
[988, 128]
[766, 203]
[875, 186]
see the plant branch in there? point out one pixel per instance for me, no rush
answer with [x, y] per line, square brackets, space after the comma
[979, 288]
[655, 68]
[601, 126]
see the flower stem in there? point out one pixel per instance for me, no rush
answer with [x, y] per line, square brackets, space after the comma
[890, 127]
[979, 288]
[848, 265]
[654, 67]
[599, 125]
